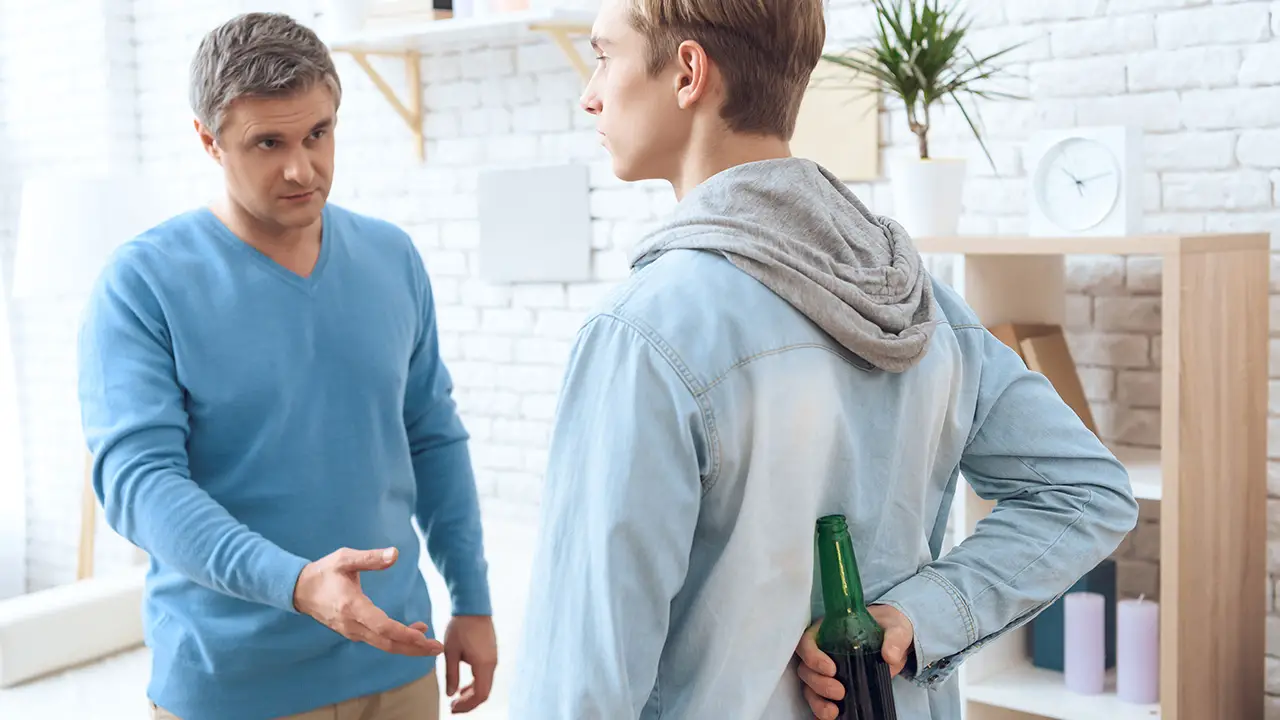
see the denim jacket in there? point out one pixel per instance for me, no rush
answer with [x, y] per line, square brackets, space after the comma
[705, 424]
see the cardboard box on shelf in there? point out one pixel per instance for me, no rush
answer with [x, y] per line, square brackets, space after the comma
[1043, 347]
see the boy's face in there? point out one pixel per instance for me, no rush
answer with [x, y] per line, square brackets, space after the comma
[639, 116]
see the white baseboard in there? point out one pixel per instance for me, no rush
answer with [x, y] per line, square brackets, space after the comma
[51, 630]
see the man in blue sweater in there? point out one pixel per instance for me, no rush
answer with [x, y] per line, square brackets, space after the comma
[267, 408]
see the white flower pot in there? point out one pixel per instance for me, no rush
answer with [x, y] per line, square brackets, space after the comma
[927, 194]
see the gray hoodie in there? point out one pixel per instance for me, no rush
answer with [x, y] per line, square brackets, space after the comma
[796, 228]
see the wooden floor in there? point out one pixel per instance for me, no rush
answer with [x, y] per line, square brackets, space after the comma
[115, 688]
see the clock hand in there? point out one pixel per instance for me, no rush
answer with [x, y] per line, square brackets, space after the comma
[1093, 177]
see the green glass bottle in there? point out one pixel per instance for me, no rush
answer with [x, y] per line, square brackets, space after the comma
[849, 634]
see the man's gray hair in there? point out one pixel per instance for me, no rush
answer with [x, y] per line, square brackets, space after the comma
[257, 54]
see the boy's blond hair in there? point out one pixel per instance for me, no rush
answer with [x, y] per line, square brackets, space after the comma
[765, 50]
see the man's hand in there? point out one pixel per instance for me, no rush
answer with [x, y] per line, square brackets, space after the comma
[329, 591]
[818, 670]
[470, 639]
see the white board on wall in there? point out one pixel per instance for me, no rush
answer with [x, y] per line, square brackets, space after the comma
[839, 124]
[535, 224]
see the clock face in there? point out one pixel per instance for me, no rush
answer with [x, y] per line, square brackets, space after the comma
[1077, 183]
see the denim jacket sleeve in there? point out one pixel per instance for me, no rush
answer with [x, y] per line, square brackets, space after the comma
[1063, 503]
[621, 500]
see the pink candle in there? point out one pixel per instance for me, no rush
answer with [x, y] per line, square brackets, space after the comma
[1084, 642]
[1138, 651]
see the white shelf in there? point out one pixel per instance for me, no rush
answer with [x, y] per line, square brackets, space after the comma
[471, 31]
[1029, 689]
[1145, 474]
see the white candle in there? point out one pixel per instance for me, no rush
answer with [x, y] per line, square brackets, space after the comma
[1084, 649]
[1138, 651]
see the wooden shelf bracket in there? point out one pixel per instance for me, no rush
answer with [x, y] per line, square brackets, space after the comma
[411, 110]
[562, 34]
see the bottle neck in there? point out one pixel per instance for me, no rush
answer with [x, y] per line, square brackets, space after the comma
[841, 583]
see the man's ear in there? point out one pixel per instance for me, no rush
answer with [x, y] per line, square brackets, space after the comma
[693, 74]
[208, 141]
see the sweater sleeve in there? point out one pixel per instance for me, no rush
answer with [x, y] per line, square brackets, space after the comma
[135, 422]
[448, 508]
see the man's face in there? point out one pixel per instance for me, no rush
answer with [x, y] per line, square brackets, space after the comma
[638, 116]
[277, 155]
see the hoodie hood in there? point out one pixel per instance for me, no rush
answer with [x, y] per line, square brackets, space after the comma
[796, 228]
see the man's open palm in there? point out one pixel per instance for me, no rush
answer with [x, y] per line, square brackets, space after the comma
[329, 591]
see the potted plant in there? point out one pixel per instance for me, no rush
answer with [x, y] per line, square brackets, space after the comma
[918, 55]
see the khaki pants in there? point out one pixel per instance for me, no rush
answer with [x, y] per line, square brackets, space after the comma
[419, 700]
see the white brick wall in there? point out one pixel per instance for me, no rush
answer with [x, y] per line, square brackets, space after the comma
[1202, 79]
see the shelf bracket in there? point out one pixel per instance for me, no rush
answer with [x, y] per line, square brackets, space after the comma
[410, 111]
[562, 34]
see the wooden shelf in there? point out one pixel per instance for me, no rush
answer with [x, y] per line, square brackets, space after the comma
[410, 42]
[1132, 245]
[1209, 474]
[1027, 689]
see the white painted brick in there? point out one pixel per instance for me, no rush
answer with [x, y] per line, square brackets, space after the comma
[1104, 36]
[1138, 388]
[1112, 349]
[530, 378]
[488, 348]
[1099, 383]
[572, 145]
[559, 87]
[542, 351]
[454, 318]
[1152, 112]
[542, 118]
[995, 196]
[536, 461]
[1273, 353]
[1094, 274]
[456, 151]
[520, 487]
[1174, 223]
[540, 406]
[1077, 78]
[1143, 274]
[458, 95]
[442, 124]
[1200, 67]
[1190, 150]
[1275, 19]
[1259, 148]
[1033, 10]
[1231, 108]
[485, 121]
[1273, 479]
[601, 234]
[539, 57]
[610, 264]
[1127, 314]
[440, 69]
[562, 324]
[483, 64]
[1261, 65]
[626, 203]
[1243, 222]
[1079, 312]
[539, 295]
[1273, 677]
[519, 90]
[1032, 41]
[506, 321]
[1120, 7]
[589, 296]
[1242, 189]
[525, 433]
[1273, 438]
[447, 262]
[1273, 622]
[512, 148]
[1215, 25]
[497, 456]
[460, 234]
[1273, 394]
[491, 401]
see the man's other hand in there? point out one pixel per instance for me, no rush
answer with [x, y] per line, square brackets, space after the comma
[329, 591]
[470, 639]
[817, 670]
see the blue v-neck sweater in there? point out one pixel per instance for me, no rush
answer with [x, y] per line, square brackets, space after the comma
[246, 420]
